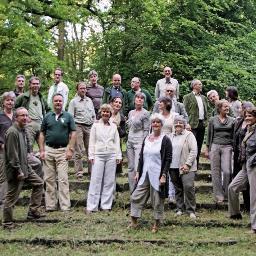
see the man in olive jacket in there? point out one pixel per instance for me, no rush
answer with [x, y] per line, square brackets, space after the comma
[17, 170]
[196, 106]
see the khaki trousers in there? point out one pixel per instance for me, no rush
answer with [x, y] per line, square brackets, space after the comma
[238, 184]
[12, 195]
[81, 147]
[140, 197]
[56, 170]
[221, 166]
[133, 155]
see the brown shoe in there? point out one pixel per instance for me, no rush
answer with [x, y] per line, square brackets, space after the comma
[154, 229]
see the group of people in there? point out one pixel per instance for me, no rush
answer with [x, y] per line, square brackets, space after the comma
[164, 142]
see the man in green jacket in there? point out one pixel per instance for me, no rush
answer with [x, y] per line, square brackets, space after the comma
[136, 87]
[17, 170]
[196, 106]
[37, 108]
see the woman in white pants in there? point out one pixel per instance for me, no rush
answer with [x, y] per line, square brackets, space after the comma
[104, 154]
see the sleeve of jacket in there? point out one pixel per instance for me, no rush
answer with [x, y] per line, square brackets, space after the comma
[209, 133]
[122, 128]
[140, 163]
[183, 111]
[192, 144]
[167, 157]
[18, 102]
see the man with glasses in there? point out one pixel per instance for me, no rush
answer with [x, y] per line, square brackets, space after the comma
[18, 170]
[19, 85]
[58, 87]
[116, 91]
[167, 80]
[177, 107]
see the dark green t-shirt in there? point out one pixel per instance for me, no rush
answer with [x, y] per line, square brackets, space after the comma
[57, 131]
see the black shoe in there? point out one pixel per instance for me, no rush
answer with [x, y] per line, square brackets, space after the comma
[35, 215]
[236, 216]
[10, 225]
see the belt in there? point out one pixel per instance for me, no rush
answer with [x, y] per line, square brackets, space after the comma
[88, 125]
[55, 146]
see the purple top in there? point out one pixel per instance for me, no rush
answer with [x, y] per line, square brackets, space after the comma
[95, 93]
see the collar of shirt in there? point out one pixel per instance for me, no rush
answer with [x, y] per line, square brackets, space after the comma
[118, 88]
[197, 94]
[177, 134]
[101, 121]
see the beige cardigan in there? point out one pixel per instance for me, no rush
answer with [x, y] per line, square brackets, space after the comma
[189, 150]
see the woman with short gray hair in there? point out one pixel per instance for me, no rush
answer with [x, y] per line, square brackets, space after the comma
[154, 162]
[183, 167]
[138, 124]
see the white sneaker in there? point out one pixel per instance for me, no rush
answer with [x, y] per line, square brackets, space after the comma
[192, 215]
[172, 200]
[179, 213]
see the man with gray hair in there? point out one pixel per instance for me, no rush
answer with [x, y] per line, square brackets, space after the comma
[136, 87]
[167, 80]
[177, 107]
[196, 106]
[94, 91]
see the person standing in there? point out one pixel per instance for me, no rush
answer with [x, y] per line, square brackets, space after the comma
[82, 109]
[104, 154]
[17, 170]
[58, 87]
[138, 124]
[136, 87]
[196, 106]
[19, 85]
[56, 144]
[37, 108]
[219, 148]
[116, 91]
[6, 121]
[167, 80]
[94, 91]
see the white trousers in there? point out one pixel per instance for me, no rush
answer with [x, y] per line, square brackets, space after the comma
[102, 184]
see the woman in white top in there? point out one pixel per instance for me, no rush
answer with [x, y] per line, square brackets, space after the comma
[138, 124]
[104, 154]
[154, 162]
[165, 106]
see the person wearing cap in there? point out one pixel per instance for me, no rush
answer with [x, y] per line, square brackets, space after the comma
[183, 167]
[138, 125]
[164, 82]
[136, 87]
[94, 91]
[154, 163]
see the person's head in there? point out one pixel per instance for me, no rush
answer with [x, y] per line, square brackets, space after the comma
[179, 124]
[244, 106]
[170, 91]
[93, 77]
[116, 80]
[20, 82]
[81, 89]
[222, 107]
[165, 104]
[196, 85]
[232, 93]
[57, 102]
[58, 74]
[213, 96]
[105, 112]
[157, 122]
[250, 116]
[8, 100]
[116, 104]
[34, 85]
[139, 99]
[167, 72]
[21, 117]
[135, 84]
